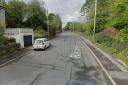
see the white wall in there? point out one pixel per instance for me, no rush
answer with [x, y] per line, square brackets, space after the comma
[18, 34]
[20, 38]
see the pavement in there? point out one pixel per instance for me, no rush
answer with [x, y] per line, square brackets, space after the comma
[19, 53]
[66, 62]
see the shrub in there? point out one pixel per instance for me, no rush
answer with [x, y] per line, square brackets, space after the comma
[1, 30]
[102, 37]
[6, 40]
[40, 33]
[122, 36]
[89, 28]
[7, 45]
[12, 40]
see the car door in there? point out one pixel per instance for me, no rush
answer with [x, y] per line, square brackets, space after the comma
[46, 42]
[49, 42]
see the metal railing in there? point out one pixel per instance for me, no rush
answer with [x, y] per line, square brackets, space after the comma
[16, 31]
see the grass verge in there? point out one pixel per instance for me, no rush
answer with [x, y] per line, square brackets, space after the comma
[115, 51]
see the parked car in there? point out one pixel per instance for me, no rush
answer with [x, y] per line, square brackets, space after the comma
[41, 43]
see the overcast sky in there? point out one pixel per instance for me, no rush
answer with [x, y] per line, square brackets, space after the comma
[69, 10]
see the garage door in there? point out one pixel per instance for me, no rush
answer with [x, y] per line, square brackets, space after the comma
[27, 40]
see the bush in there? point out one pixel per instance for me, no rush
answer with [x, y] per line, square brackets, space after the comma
[121, 24]
[11, 40]
[1, 30]
[116, 44]
[89, 28]
[7, 45]
[122, 36]
[6, 40]
[103, 38]
[40, 33]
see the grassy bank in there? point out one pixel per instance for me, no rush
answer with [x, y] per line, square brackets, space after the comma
[7, 46]
[118, 50]
[40, 33]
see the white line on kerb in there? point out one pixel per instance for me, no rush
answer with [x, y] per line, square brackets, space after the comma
[106, 72]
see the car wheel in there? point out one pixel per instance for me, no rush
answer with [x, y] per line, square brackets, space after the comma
[45, 47]
[35, 49]
[49, 44]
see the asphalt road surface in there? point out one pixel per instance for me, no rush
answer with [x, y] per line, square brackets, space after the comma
[66, 62]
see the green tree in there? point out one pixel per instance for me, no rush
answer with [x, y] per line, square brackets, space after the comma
[36, 15]
[15, 11]
[2, 3]
[103, 12]
[21, 14]
[59, 21]
[31, 15]
[111, 25]
[55, 24]
[66, 28]
[120, 21]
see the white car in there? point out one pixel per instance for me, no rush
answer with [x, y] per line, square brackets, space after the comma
[41, 43]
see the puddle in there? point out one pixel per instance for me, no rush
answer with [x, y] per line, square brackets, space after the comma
[81, 82]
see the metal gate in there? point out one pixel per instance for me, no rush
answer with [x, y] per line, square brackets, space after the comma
[27, 40]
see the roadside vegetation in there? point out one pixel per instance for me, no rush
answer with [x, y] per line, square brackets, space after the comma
[20, 14]
[7, 45]
[111, 26]
[33, 14]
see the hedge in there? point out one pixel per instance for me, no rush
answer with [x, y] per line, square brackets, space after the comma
[7, 45]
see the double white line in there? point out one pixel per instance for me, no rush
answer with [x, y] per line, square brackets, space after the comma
[103, 68]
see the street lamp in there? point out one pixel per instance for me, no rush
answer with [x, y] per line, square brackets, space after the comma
[94, 29]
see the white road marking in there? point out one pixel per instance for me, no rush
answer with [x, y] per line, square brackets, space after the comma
[76, 54]
[106, 72]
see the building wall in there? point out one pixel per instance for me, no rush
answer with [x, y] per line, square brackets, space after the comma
[20, 38]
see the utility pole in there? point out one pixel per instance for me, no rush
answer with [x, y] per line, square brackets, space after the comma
[73, 27]
[94, 29]
[47, 24]
[48, 30]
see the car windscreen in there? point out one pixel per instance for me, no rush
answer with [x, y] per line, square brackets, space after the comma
[38, 41]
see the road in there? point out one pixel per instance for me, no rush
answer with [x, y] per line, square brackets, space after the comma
[66, 62]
